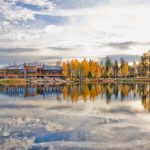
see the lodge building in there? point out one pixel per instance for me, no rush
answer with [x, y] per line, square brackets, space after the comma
[31, 70]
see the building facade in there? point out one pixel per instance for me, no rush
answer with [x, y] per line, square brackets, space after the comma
[31, 71]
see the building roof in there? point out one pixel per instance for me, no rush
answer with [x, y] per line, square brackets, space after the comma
[46, 67]
[15, 67]
[31, 64]
[22, 67]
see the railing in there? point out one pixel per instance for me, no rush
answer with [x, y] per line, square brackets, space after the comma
[2, 74]
[12, 75]
[48, 74]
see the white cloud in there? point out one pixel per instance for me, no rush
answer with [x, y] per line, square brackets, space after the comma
[87, 31]
[12, 12]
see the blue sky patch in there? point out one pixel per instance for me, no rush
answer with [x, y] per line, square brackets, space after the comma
[51, 20]
[30, 6]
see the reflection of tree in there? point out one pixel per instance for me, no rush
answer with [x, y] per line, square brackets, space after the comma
[124, 90]
[98, 89]
[133, 88]
[145, 95]
[85, 92]
[116, 91]
[75, 93]
[82, 91]
[93, 93]
[120, 87]
[146, 103]
[109, 90]
[65, 92]
[90, 87]
[108, 95]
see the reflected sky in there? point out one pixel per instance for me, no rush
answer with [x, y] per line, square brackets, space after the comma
[75, 116]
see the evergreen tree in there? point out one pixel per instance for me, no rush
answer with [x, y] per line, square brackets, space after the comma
[116, 68]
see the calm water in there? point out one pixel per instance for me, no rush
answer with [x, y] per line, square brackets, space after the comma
[75, 117]
[81, 92]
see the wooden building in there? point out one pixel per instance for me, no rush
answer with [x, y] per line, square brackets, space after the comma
[31, 71]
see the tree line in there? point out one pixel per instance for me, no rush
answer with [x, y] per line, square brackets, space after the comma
[107, 69]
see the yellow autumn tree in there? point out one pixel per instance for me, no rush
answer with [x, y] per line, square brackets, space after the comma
[126, 69]
[65, 69]
[120, 72]
[76, 68]
[97, 71]
[85, 68]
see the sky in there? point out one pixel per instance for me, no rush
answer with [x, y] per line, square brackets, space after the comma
[48, 30]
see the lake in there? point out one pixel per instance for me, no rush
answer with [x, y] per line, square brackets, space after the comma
[75, 116]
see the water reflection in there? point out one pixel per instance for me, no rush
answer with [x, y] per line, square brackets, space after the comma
[85, 92]
[31, 90]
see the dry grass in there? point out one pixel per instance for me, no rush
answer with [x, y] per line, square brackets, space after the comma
[13, 81]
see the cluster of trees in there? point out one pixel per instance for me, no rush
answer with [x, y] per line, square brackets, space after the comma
[107, 69]
[144, 65]
[113, 69]
[83, 69]
[93, 69]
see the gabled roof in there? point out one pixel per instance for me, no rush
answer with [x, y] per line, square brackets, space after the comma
[15, 67]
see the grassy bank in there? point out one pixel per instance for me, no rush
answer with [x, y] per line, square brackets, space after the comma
[109, 80]
[132, 80]
[13, 81]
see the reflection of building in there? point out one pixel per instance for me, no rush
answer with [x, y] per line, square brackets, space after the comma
[31, 90]
[30, 70]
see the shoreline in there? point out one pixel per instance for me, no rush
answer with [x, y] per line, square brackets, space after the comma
[21, 81]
